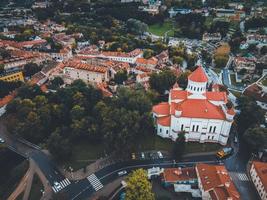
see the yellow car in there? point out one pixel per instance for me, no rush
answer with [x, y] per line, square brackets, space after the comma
[224, 152]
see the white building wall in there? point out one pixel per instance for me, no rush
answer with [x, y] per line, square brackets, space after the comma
[86, 76]
[257, 182]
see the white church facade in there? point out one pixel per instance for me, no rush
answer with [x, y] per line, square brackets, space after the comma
[202, 115]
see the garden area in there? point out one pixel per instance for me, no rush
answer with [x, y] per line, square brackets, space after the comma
[85, 153]
[160, 29]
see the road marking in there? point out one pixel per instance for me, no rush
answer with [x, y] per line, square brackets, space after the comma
[64, 183]
[95, 182]
[242, 177]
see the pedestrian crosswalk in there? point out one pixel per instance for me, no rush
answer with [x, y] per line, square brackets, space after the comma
[240, 176]
[95, 182]
[61, 185]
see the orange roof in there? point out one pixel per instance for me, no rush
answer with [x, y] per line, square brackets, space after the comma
[217, 96]
[198, 75]
[216, 180]
[179, 174]
[143, 61]
[261, 169]
[179, 94]
[84, 66]
[201, 108]
[4, 101]
[164, 121]
[162, 109]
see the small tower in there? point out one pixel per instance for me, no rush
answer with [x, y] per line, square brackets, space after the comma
[197, 81]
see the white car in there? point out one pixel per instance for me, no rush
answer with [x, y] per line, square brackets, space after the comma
[2, 140]
[160, 154]
[121, 173]
[57, 185]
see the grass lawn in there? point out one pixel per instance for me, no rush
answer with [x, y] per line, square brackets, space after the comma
[85, 153]
[160, 29]
[36, 188]
[155, 142]
[195, 147]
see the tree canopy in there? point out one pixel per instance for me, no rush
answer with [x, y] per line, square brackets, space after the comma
[138, 187]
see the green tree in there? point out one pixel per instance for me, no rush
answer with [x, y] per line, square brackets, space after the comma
[57, 82]
[162, 81]
[179, 146]
[250, 114]
[120, 77]
[138, 187]
[58, 145]
[135, 26]
[256, 138]
[178, 60]
[220, 61]
[148, 53]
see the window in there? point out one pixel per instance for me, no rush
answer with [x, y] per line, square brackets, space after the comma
[193, 129]
[182, 127]
[214, 129]
[167, 132]
[197, 128]
[160, 130]
[210, 128]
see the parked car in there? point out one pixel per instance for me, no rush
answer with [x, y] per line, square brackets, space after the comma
[142, 155]
[225, 152]
[160, 154]
[57, 186]
[2, 140]
[121, 173]
[133, 156]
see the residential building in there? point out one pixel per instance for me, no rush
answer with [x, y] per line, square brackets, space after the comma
[130, 57]
[150, 63]
[258, 174]
[211, 37]
[243, 63]
[215, 183]
[256, 38]
[12, 76]
[258, 92]
[201, 114]
[86, 72]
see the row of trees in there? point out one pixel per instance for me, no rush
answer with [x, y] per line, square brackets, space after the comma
[249, 122]
[56, 120]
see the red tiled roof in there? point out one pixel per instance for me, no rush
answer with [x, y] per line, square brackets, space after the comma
[179, 94]
[7, 99]
[217, 96]
[84, 66]
[179, 174]
[256, 93]
[164, 121]
[261, 169]
[198, 75]
[201, 108]
[162, 109]
[216, 180]
[143, 61]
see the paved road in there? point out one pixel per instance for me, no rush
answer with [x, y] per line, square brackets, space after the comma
[84, 188]
[45, 164]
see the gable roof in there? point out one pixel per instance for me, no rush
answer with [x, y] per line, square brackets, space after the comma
[198, 75]
[216, 180]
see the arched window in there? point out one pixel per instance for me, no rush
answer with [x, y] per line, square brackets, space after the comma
[214, 129]
[193, 128]
[210, 129]
[167, 131]
[182, 127]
